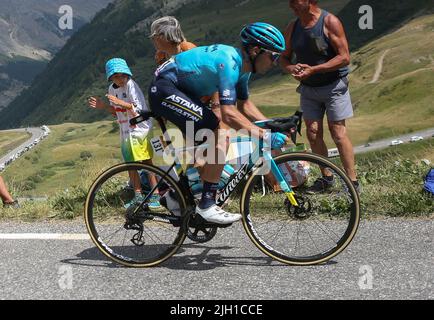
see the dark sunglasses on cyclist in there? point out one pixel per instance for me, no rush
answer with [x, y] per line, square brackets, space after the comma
[274, 55]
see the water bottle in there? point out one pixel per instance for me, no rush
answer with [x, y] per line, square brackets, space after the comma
[196, 184]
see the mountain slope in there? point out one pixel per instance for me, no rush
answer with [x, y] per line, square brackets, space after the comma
[59, 93]
[399, 102]
[388, 15]
[30, 36]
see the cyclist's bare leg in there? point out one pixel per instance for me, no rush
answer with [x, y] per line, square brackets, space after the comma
[339, 134]
[211, 175]
[211, 172]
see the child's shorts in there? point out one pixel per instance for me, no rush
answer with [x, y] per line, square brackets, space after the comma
[136, 147]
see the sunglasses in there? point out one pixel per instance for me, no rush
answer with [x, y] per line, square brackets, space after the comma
[274, 55]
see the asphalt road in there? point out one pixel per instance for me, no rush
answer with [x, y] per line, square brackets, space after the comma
[389, 259]
[382, 144]
[35, 132]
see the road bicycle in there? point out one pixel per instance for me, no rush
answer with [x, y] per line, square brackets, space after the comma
[288, 223]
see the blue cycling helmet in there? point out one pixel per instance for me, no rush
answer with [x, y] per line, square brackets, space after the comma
[117, 65]
[263, 35]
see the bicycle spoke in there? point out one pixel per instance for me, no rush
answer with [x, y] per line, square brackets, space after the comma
[315, 229]
[131, 236]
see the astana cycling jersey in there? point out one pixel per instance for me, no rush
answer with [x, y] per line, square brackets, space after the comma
[203, 71]
[134, 142]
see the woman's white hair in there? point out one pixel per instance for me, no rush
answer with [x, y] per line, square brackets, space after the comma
[168, 28]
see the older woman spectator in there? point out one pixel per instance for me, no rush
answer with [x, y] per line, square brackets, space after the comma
[168, 38]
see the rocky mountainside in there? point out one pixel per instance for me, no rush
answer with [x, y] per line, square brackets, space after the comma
[59, 94]
[30, 36]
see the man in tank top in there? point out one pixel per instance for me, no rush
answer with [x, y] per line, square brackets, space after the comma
[318, 56]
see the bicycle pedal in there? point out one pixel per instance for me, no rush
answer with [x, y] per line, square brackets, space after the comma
[197, 221]
[219, 226]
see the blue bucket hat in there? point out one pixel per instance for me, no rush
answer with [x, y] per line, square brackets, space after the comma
[117, 65]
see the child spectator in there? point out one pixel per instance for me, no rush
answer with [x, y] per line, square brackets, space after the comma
[127, 101]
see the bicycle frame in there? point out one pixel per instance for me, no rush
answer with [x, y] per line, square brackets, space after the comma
[246, 170]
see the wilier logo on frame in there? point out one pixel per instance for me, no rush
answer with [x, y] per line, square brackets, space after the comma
[66, 21]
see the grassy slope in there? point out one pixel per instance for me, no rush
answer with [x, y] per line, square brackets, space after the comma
[400, 102]
[56, 163]
[402, 99]
[78, 68]
[10, 140]
[392, 180]
[55, 166]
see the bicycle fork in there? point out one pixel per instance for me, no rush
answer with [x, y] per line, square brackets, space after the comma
[280, 178]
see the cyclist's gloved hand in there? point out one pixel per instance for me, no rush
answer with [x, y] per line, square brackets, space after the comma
[277, 139]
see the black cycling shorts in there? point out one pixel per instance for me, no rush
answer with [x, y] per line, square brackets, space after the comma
[168, 102]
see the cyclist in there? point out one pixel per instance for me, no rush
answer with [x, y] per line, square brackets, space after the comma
[180, 82]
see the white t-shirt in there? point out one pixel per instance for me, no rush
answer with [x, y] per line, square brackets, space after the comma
[130, 93]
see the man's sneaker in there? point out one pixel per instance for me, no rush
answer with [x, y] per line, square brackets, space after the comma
[138, 199]
[358, 187]
[12, 205]
[217, 215]
[320, 185]
[154, 203]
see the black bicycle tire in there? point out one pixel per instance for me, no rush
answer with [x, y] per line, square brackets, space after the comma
[345, 240]
[91, 227]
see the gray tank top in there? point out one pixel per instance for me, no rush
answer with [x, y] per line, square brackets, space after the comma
[311, 46]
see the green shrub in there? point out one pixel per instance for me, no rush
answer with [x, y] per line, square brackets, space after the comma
[85, 155]
[69, 203]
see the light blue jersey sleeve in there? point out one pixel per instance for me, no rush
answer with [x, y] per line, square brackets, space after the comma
[243, 87]
[233, 84]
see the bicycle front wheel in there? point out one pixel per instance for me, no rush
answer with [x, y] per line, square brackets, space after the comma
[131, 224]
[321, 227]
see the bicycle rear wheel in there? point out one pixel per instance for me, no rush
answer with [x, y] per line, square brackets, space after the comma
[130, 231]
[321, 227]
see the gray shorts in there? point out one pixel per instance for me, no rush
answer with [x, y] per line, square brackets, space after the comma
[333, 99]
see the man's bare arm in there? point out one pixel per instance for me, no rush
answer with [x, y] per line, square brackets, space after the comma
[285, 58]
[339, 41]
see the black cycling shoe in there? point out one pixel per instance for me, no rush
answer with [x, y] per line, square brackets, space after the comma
[321, 185]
